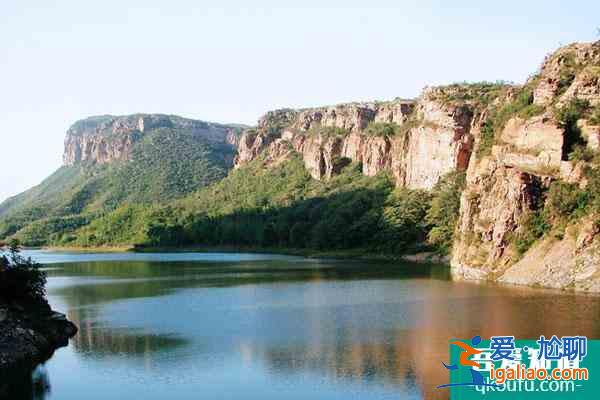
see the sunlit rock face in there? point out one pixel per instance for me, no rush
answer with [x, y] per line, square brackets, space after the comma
[434, 141]
[506, 187]
[104, 139]
[444, 130]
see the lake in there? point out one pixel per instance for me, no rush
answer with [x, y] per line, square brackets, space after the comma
[257, 326]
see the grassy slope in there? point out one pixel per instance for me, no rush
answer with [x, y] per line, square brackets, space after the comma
[279, 207]
[167, 164]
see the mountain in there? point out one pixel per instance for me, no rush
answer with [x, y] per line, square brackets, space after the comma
[502, 178]
[109, 161]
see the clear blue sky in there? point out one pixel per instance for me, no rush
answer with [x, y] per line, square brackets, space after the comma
[230, 61]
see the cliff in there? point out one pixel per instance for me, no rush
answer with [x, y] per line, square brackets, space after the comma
[103, 139]
[506, 175]
[528, 213]
[112, 161]
[417, 141]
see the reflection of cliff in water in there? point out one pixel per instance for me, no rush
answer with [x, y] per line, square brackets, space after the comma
[24, 384]
[410, 359]
[97, 340]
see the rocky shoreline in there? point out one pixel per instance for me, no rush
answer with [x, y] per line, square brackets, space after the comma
[29, 335]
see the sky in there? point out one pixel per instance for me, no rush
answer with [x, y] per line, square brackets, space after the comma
[231, 61]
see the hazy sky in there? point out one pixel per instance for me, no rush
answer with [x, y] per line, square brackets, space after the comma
[230, 61]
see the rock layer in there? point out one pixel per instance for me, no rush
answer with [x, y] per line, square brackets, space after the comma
[448, 128]
[104, 139]
[432, 138]
[506, 186]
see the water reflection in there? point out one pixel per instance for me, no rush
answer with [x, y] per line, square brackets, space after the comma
[410, 358]
[97, 341]
[277, 329]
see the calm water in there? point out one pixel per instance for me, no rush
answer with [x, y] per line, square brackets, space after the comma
[247, 326]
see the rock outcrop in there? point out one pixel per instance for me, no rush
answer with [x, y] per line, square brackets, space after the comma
[431, 139]
[104, 139]
[511, 140]
[507, 185]
[29, 335]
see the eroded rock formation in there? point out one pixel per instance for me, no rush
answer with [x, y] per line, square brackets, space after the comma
[510, 140]
[433, 138]
[104, 139]
[505, 187]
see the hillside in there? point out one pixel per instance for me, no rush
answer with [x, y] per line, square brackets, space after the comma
[503, 178]
[110, 161]
[282, 207]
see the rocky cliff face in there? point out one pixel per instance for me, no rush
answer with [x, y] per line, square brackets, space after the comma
[514, 142]
[510, 184]
[104, 139]
[431, 138]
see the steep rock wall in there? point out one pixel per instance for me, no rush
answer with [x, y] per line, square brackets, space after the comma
[104, 139]
[506, 186]
[434, 138]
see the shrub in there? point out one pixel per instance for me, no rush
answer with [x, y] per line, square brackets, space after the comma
[486, 139]
[581, 153]
[443, 213]
[566, 200]
[595, 116]
[328, 131]
[522, 106]
[21, 278]
[567, 73]
[534, 226]
[382, 129]
[567, 117]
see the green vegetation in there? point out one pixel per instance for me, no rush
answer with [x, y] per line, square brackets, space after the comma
[480, 94]
[560, 205]
[568, 70]
[327, 130]
[594, 118]
[567, 116]
[443, 213]
[21, 279]
[285, 208]
[521, 105]
[167, 164]
[382, 129]
[533, 226]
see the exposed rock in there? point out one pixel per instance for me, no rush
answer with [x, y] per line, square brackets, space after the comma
[560, 68]
[105, 139]
[30, 335]
[492, 204]
[573, 262]
[502, 188]
[438, 144]
[353, 117]
[438, 133]
[250, 145]
[539, 136]
[590, 132]
[585, 86]
[376, 156]
[99, 149]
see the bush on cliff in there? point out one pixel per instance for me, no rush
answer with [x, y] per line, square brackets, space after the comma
[382, 129]
[443, 213]
[21, 279]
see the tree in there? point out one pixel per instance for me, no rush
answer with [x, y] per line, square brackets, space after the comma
[21, 278]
